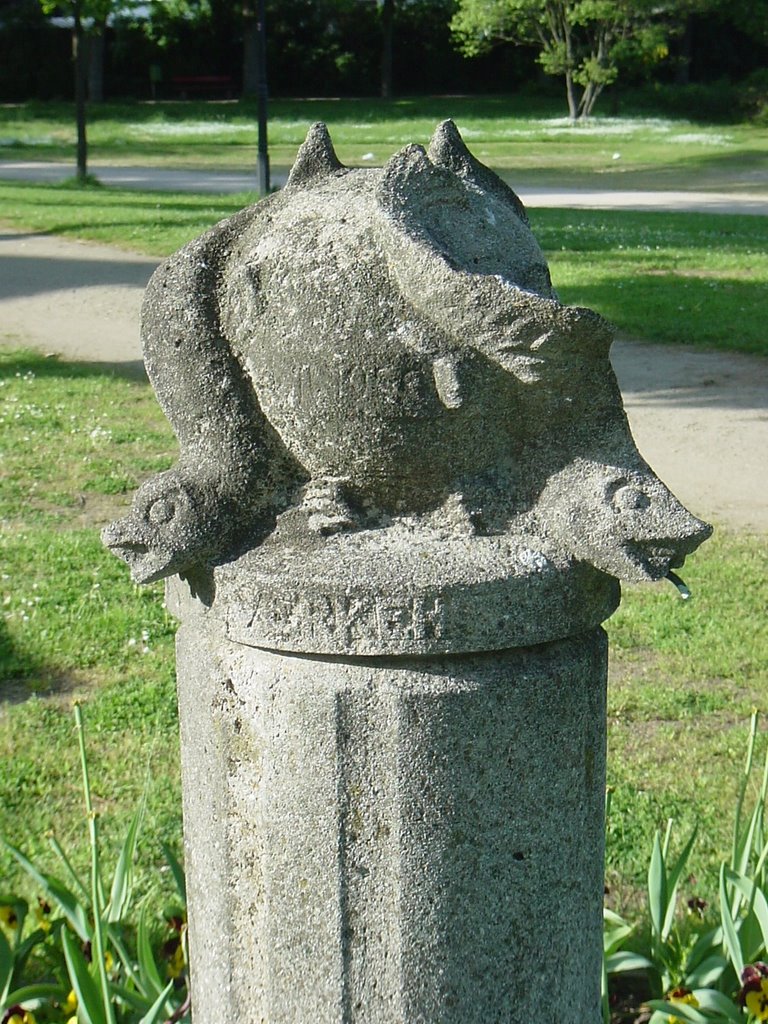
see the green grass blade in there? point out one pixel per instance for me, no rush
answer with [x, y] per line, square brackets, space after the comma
[657, 887]
[122, 881]
[157, 1011]
[70, 905]
[672, 882]
[89, 1004]
[730, 935]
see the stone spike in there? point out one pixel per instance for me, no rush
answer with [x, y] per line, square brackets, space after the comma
[448, 149]
[316, 158]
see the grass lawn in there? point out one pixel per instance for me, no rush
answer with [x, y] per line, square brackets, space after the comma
[76, 442]
[667, 277]
[522, 135]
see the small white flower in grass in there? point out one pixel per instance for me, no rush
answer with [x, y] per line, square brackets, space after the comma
[368, 156]
[616, 156]
[132, 641]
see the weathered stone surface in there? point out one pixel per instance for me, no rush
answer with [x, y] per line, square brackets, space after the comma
[406, 493]
[394, 841]
[382, 350]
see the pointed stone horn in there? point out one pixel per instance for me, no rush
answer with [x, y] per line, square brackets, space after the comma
[316, 158]
[448, 149]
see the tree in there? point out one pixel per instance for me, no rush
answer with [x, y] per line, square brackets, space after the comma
[96, 12]
[585, 42]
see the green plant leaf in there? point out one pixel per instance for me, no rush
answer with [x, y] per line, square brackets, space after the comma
[672, 881]
[58, 892]
[613, 938]
[626, 961]
[680, 1010]
[755, 897]
[710, 999]
[132, 998]
[89, 1003]
[157, 1011]
[150, 977]
[180, 879]
[657, 887]
[712, 939]
[707, 973]
[40, 991]
[730, 935]
[122, 881]
[6, 967]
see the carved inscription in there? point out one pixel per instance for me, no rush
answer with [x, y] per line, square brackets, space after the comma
[346, 619]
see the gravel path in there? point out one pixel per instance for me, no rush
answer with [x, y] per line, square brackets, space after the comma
[195, 180]
[700, 418]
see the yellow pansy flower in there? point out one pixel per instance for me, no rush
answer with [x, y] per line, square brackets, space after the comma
[71, 1004]
[683, 996]
[756, 1001]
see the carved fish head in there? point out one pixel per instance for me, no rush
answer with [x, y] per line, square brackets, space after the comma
[623, 521]
[167, 531]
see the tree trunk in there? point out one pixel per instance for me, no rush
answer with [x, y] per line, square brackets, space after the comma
[570, 92]
[250, 50]
[96, 41]
[78, 60]
[387, 29]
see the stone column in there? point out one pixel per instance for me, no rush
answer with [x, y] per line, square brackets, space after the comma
[399, 837]
[406, 493]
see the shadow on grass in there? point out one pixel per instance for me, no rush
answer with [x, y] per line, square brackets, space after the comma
[17, 363]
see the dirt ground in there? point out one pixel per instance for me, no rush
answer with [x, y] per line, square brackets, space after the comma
[699, 418]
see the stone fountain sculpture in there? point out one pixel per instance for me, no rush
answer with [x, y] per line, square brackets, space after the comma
[406, 493]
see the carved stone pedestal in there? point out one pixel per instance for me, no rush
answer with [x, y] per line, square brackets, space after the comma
[394, 840]
[405, 494]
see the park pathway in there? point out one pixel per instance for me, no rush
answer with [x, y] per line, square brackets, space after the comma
[195, 180]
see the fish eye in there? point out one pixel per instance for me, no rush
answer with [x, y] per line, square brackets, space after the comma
[161, 511]
[629, 498]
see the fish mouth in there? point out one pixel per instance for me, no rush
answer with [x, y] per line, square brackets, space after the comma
[656, 557]
[146, 565]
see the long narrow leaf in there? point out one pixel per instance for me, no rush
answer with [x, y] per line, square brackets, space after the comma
[673, 878]
[680, 1010]
[738, 838]
[755, 897]
[6, 968]
[616, 963]
[711, 999]
[58, 850]
[712, 939]
[157, 1012]
[177, 871]
[29, 993]
[708, 972]
[730, 935]
[122, 881]
[89, 1004]
[150, 977]
[657, 886]
[71, 907]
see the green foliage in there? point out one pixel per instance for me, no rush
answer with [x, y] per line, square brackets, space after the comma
[586, 42]
[692, 966]
[93, 959]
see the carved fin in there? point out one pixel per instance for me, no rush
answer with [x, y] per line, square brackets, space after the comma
[447, 149]
[316, 158]
[410, 184]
